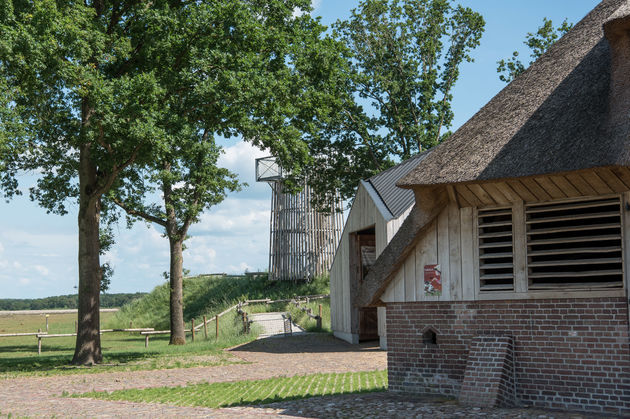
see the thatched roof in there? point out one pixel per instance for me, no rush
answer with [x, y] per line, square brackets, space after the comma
[553, 118]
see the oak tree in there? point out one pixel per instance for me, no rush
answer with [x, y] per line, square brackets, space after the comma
[403, 58]
[101, 85]
[188, 178]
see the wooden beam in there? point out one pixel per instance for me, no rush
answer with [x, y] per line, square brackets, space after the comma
[536, 189]
[550, 187]
[522, 191]
[565, 186]
[467, 194]
[612, 180]
[480, 193]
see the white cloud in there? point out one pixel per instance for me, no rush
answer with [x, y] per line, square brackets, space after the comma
[241, 158]
[235, 217]
[1, 248]
[24, 281]
[42, 270]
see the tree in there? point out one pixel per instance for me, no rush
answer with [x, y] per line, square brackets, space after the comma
[402, 61]
[538, 43]
[97, 82]
[190, 181]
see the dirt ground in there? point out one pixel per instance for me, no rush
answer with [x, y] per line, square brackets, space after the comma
[273, 357]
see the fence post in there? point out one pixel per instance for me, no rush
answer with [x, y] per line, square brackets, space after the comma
[39, 343]
[192, 328]
[146, 341]
[76, 327]
[217, 326]
[47, 323]
[131, 326]
[205, 327]
[319, 318]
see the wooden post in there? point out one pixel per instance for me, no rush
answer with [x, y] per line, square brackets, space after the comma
[46, 323]
[146, 341]
[39, 342]
[205, 327]
[131, 326]
[192, 329]
[216, 320]
[319, 318]
[76, 327]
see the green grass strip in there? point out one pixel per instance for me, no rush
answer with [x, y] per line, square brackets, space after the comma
[239, 393]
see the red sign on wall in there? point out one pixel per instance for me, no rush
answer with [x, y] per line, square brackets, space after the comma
[432, 280]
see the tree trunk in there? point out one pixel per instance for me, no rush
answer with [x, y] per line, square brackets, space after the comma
[176, 241]
[178, 335]
[88, 344]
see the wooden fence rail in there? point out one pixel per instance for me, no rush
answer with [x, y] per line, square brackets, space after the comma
[45, 335]
[149, 331]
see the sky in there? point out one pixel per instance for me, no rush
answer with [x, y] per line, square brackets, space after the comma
[38, 251]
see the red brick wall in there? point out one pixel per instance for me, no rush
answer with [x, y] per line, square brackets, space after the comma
[489, 376]
[569, 353]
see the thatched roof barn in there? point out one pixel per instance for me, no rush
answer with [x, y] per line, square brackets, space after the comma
[519, 241]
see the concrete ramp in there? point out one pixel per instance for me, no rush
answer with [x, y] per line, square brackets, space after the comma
[275, 324]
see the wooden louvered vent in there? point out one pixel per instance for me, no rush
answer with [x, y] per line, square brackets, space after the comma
[574, 245]
[496, 256]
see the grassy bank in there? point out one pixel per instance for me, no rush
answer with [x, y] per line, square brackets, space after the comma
[209, 295]
[123, 351]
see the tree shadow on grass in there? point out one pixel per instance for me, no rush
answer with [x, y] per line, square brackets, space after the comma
[311, 343]
[49, 363]
[278, 398]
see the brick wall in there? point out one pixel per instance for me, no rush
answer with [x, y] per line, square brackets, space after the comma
[489, 376]
[569, 353]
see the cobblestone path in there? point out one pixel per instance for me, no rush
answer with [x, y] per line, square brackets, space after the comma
[41, 396]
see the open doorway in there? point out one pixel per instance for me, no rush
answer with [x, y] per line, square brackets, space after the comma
[362, 257]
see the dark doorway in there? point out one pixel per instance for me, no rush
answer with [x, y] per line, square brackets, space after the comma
[362, 257]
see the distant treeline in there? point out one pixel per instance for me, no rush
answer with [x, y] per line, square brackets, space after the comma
[65, 301]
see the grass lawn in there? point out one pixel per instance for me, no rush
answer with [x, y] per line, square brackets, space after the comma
[121, 351]
[253, 392]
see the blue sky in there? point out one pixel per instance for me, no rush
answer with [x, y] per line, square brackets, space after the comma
[38, 252]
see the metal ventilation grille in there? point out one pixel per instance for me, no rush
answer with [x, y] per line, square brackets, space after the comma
[575, 245]
[496, 256]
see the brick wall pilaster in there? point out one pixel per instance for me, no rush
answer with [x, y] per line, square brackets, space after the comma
[489, 375]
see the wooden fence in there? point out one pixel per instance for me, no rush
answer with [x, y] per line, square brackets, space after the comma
[149, 331]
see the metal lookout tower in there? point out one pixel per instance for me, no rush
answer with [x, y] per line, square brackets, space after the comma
[302, 241]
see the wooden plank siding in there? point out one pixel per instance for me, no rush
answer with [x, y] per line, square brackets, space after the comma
[451, 239]
[363, 214]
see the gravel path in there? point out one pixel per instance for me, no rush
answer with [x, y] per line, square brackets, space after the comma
[306, 354]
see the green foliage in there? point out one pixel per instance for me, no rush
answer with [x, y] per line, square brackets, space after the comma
[307, 323]
[255, 392]
[209, 296]
[402, 60]
[538, 43]
[66, 301]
